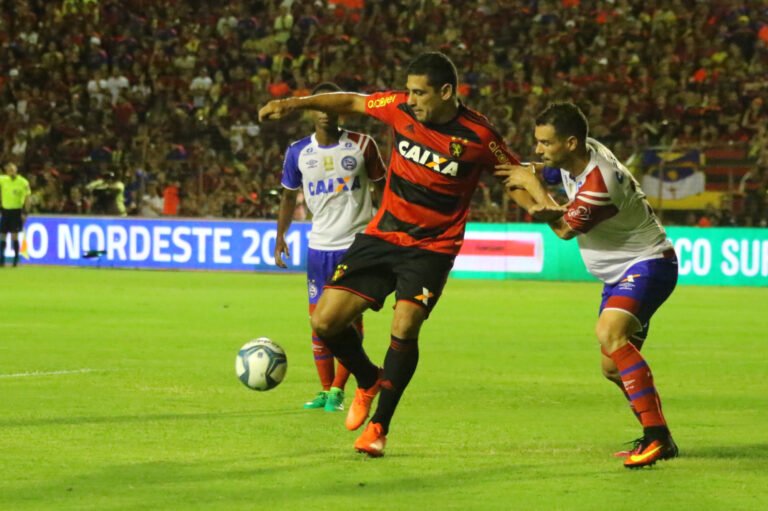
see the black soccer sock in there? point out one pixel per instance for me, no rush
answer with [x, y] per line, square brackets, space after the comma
[15, 245]
[399, 366]
[2, 250]
[347, 347]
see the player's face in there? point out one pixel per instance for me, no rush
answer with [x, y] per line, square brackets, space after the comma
[553, 150]
[324, 121]
[10, 169]
[426, 102]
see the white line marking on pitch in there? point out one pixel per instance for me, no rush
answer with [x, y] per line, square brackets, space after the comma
[49, 373]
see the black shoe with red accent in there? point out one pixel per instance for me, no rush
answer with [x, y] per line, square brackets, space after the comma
[652, 450]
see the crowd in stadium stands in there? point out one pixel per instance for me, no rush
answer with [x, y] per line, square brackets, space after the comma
[164, 93]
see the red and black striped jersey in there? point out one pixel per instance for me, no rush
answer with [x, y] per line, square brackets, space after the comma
[433, 172]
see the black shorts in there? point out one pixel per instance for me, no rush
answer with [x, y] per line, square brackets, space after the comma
[10, 221]
[373, 268]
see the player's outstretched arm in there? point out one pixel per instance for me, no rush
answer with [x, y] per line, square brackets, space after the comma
[332, 102]
[525, 188]
[562, 229]
[549, 213]
[284, 218]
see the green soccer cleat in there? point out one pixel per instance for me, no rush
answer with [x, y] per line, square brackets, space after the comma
[335, 402]
[319, 401]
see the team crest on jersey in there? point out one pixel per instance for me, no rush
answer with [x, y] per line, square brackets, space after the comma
[340, 269]
[456, 149]
[427, 158]
[349, 163]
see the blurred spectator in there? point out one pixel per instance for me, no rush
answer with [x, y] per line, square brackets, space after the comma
[171, 199]
[107, 195]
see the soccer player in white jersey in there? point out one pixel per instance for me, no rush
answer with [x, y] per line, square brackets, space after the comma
[622, 243]
[334, 168]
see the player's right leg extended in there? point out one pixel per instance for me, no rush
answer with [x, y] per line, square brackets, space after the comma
[333, 322]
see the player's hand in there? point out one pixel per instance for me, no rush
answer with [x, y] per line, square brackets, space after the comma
[275, 109]
[516, 177]
[281, 248]
[547, 212]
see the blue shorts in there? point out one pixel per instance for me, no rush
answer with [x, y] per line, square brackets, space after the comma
[642, 289]
[320, 267]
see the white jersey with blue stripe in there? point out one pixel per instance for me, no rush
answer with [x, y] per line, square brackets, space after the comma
[335, 180]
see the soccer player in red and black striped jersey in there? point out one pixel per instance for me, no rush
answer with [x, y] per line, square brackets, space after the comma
[441, 148]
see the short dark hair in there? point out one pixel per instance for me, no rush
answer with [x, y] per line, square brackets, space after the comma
[437, 67]
[325, 87]
[567, 119]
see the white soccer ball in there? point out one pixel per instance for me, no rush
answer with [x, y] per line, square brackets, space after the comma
[261, 364]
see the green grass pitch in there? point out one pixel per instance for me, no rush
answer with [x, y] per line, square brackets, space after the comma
[507, 409]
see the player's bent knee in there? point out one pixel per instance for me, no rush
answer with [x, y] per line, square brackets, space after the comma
[407, 321]
[609, 338]
[611, 373]
[323, 324]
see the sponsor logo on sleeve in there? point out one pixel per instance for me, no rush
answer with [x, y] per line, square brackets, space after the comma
[580, 212]
[498, 152]
[381, 102]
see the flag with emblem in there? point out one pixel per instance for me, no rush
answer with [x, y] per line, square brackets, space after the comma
[672, 174]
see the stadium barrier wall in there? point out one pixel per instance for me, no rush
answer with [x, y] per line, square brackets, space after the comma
[713, 256]
[731, 256]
